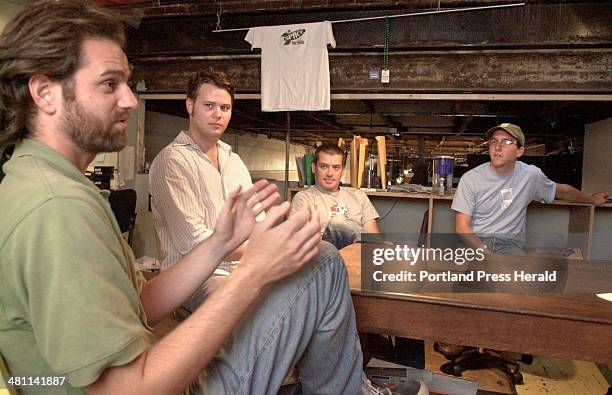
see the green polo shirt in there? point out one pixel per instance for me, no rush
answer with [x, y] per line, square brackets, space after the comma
[69, 294]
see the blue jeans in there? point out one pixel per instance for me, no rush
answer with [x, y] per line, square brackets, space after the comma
[307, 319]
[504, 246]
[343, 233]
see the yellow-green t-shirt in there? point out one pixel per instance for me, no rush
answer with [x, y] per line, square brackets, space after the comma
[69, 294]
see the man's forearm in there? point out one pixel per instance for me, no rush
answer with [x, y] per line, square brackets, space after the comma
[171, 365]
[571, 194]
[466, 234]
[162, 295]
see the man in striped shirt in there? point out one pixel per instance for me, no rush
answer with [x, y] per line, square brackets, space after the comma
[190, 178]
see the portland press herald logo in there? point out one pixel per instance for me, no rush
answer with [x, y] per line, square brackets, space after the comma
[292, 37]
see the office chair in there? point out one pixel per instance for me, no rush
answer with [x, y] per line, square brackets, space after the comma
[462, 358]
[123, 204]
[408, 351]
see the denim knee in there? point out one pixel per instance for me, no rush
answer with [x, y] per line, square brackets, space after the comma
[328, 254]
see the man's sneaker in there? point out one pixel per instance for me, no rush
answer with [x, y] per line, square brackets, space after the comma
[410, 387]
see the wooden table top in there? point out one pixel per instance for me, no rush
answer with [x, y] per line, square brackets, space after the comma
[585, 307]
[570, 326]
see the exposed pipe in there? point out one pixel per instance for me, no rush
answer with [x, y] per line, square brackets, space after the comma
[400, 15]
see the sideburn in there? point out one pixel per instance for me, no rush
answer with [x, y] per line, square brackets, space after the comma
[68, 89]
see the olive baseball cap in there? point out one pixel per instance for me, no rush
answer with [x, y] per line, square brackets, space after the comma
[511, 129]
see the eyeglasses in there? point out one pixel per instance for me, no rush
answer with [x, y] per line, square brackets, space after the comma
[506, 142]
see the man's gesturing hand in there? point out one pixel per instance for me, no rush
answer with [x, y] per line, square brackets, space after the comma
[237, 217]
[276, 250]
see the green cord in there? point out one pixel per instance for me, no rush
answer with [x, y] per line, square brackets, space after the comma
[387, 36]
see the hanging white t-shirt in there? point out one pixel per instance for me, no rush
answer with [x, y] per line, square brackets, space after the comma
[294, 65]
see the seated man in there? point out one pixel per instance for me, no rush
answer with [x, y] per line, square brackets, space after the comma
[72, 306]
[491, 204]
[190, 178]
[491, 200]
[345, 213]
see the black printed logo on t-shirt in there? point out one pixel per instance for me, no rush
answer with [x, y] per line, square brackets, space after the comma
[292, 37]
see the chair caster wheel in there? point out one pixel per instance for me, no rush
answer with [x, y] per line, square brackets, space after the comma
[452, 369]
[527, 359]
[517, 378]
[457, 371]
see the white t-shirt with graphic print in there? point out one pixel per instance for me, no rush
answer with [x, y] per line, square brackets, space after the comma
[294, 65]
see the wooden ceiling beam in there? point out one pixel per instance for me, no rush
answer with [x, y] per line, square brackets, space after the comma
[561, 72]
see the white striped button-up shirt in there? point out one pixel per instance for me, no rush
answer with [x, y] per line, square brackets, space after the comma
[187, 194]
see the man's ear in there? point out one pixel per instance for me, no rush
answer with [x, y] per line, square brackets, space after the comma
[520, 152]
[189, 106]
[45, 93]
[314, 166]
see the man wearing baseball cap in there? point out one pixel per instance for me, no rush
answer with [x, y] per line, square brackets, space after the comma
[491, 200]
